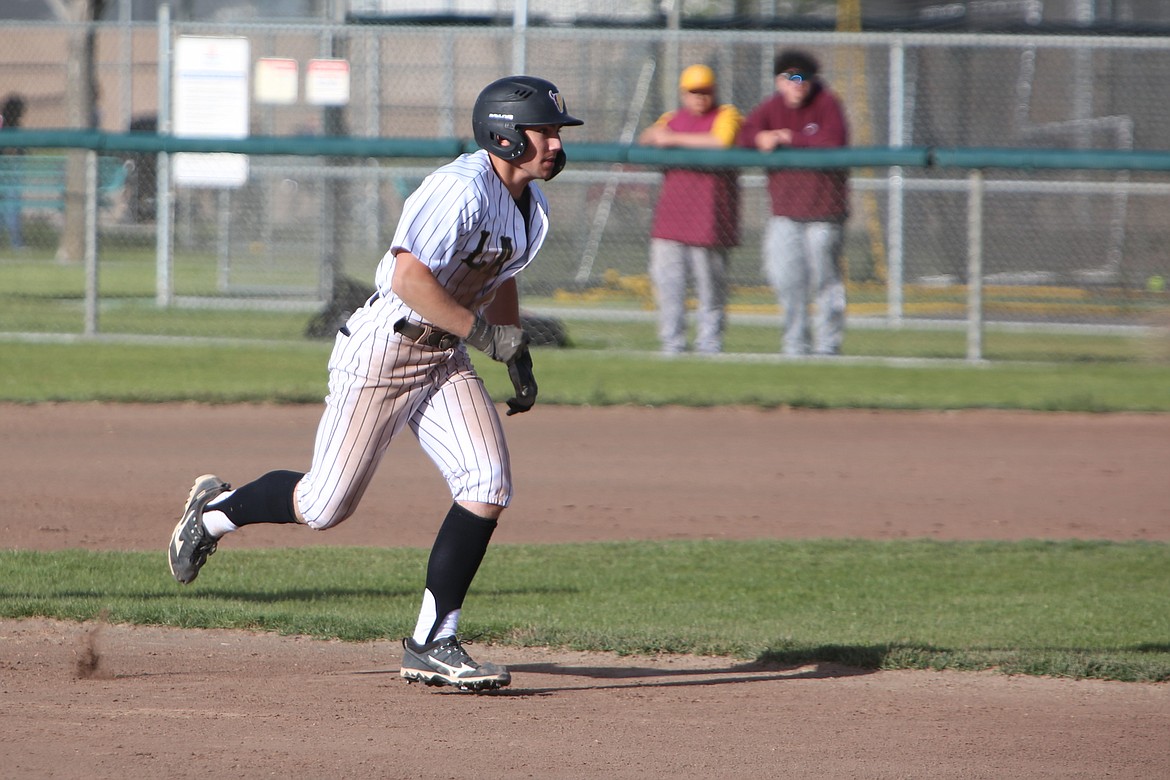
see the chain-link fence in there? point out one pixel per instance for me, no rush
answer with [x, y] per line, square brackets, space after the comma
[1059, 246]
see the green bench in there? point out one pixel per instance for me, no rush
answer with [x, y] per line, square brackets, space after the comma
[38, 181]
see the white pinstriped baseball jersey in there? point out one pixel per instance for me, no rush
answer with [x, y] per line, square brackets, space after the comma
[463, 224]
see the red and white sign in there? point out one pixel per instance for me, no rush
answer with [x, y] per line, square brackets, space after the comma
[327, 83]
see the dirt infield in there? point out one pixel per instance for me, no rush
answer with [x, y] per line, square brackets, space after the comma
[91, 700]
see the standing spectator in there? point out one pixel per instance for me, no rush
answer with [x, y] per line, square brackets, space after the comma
[10, 116]
[805, 235]
[696, 220]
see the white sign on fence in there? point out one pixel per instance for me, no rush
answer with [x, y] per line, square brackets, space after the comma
[276, 81]
[211, 101]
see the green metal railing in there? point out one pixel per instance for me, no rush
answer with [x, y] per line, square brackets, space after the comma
[974, 160]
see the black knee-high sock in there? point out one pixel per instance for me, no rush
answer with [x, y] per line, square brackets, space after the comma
[269, 499]
[455, 557]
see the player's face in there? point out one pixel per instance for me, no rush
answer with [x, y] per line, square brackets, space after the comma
[539, 160]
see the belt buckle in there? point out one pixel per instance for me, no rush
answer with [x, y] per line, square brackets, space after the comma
[437, 338]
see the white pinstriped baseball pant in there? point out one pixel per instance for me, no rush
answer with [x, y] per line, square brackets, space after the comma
[379, 384]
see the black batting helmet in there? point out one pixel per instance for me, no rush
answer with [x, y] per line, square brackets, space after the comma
[507, 106]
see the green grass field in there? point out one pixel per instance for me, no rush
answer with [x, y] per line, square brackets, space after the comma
[1079, 609]
[294, 371]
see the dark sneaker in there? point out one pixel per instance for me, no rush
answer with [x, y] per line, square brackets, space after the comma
[190, 542]
[445, 662]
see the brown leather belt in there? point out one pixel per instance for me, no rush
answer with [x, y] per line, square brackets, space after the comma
[426, 335]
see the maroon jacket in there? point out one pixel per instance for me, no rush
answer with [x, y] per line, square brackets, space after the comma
[807, 195]
[697, 207]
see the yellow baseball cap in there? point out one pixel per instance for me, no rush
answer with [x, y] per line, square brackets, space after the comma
[695, 78]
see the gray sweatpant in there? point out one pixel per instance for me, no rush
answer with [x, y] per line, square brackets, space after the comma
[670, 262]
[802, 262]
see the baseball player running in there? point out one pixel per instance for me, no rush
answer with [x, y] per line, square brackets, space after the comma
[447, 281]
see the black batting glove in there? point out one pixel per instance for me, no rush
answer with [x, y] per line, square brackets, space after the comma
[520, 372]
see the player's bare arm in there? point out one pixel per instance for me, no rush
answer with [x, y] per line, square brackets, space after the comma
[414, 283]
[666, 137]
[661, 135]
[767, 140]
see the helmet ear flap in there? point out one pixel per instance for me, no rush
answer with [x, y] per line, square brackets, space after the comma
[559, 163]
[517, 144]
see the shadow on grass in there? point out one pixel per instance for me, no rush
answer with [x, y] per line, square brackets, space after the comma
[1125, 664]
[870, 657]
